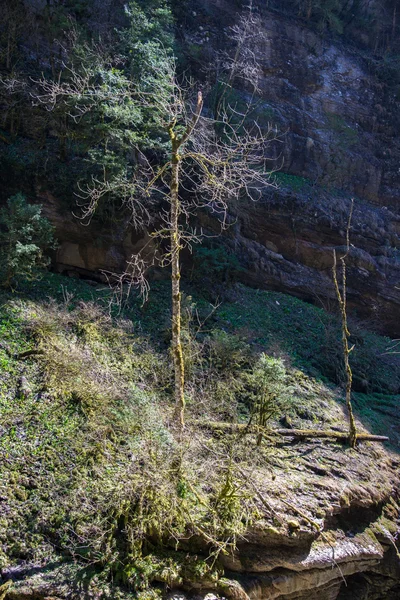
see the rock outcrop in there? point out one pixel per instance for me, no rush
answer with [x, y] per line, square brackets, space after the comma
[338, 121]
[338, 127]
[286, 242]
[328, 529]
[333, 530]
[361, 563]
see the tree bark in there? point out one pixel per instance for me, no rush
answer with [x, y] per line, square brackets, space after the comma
[342, 301]
[175, 241]
[179, 366]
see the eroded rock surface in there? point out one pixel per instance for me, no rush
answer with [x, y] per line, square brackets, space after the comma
[286, 242]
[328, 530]
[338, 127]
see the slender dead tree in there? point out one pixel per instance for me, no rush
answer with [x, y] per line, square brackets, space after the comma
[241, 60]
[209, 163]
[342, 301]
[177, 141]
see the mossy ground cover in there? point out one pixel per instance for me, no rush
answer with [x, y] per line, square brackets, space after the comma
[91, 469]
[293, 182]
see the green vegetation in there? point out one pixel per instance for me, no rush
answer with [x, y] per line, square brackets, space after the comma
[96, 120]
[95, 474]
[24, 237]
[214, 263]
[144, 107]
[294, 182]
[346, 136]
[310, 337]
[268, 380]
[89, 406]
[69, 145]
[90, 467]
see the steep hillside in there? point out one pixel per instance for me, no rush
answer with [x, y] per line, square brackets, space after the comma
[95, 489]
[262, 494]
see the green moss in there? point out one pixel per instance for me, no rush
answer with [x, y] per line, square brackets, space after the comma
[293, 526]
[294, 182]
[4, 588]
[88, 453]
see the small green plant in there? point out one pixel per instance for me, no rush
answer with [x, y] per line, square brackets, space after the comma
[232, 511]
[347, 136]
[228, 351]
[24, 237]
[268, 383]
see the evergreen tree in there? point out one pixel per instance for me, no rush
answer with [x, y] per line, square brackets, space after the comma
[25, 235]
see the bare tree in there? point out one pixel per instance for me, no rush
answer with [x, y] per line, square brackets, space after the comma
[342, 301]
[208, 164]
[249, 38]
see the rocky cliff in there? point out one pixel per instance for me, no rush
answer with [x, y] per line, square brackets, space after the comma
[328, 526]
[338, 126]
[327, 530]
[339, 139]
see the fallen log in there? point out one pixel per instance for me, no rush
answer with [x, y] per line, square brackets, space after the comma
[244, 429]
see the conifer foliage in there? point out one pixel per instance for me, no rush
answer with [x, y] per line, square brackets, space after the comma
[24, 237]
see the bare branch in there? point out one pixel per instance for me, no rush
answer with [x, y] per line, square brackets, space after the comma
[209, 163]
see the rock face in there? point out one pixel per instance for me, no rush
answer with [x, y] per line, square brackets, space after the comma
[317, 572]
[323, 557]
[335, 565]
[286, 242]
[327, 528]
[338, 127]
[338, 122]
[93, 250]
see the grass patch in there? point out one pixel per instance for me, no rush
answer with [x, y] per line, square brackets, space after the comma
[347, 136]
[294, 182]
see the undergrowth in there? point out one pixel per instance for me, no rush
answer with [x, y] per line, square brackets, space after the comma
[91, 468]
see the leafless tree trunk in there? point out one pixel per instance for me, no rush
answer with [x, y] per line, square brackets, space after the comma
[208, 164]
[342, 301]
[175, 240]
[179, 366]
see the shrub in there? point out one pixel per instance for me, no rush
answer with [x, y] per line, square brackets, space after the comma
[228, 352]
[24, 238]
[268, 383]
